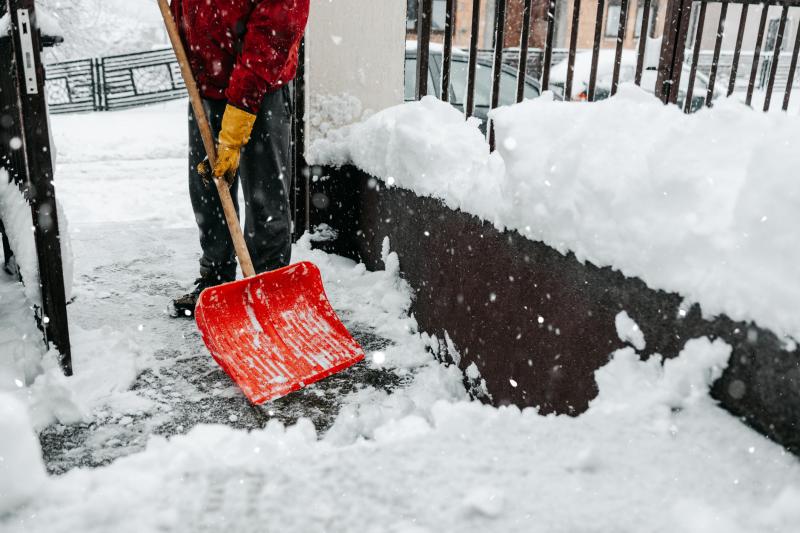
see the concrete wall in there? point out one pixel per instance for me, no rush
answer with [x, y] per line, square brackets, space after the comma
[355, 54]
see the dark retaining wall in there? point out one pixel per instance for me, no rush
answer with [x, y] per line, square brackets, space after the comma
[488, 290]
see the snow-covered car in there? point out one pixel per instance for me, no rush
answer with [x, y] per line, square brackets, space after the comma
[627, 72]
[458, 81]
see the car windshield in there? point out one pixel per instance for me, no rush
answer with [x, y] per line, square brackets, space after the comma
[483, 84]
[411, 80]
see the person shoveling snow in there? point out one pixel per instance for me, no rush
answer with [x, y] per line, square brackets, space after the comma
[244, 57]
[275, 332]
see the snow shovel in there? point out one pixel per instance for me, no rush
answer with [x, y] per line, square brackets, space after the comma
[272, 333]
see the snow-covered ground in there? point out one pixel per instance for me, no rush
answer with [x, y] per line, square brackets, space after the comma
[403, 450]
[704, 205]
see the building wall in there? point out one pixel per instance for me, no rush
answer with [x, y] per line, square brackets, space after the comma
[588, 16]
[751, 27]
[346, 58]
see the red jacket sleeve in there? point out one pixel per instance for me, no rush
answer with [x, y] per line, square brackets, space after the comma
[269, 51]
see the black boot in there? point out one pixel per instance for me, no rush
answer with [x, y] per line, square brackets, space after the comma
[183, 306]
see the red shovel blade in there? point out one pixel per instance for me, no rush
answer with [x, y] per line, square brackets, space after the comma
[276, 332]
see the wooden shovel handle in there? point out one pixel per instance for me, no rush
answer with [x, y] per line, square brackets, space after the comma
[208, 141]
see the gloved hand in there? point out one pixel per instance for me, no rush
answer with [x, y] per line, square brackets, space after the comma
[236, 128]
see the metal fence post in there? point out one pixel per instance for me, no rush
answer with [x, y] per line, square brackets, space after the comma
[37, 172]
[676, 28]
[424, 14]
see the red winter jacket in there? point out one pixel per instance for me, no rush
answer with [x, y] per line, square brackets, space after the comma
[241, 49]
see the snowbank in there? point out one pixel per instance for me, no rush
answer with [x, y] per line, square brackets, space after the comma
[460, 466]
[105, 364]
[17, 220]
[703, 205]
[21, 468]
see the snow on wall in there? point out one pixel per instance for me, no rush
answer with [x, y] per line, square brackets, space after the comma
[17, 220]
[703, 205]
[329, 112]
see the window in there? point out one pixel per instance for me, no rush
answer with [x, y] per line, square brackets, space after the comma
[637, 30]
[483, 85]
[612, 20]
[437, 21]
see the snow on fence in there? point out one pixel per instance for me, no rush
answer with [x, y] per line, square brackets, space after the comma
[673, 24]
[27, 194]
[521, 260]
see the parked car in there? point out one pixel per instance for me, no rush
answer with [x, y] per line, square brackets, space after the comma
[458, 81]
[627, 72]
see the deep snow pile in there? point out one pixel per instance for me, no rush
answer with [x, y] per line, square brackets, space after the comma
[105, 364]
[653, 453]
[704, 205]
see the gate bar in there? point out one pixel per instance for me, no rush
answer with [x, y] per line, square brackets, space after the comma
[644, 33]
[776, 55]
[715, 60]
[792, 68]
[701, 22]
[548, 45]
[598, 27]
[573, 43]
[738, 49]
[756, 54]
[448, 50]
[424, 12]
[497, 62]
[522, 68]
[469, 107]
[623, 22]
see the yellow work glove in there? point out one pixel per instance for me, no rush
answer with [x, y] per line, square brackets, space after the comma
[236, 128]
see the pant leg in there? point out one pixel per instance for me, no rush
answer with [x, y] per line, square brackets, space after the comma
[265, 172]
[219, 258]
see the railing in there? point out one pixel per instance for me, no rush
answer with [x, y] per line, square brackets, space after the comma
[767, 68]
[114, 82]
[667, 24]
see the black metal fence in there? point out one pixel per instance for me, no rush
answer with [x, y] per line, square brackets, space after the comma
[679, 23]
[114, 82]
[26, 154]
[764, 66]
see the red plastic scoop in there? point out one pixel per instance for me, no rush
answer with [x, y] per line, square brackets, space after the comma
[276, 332]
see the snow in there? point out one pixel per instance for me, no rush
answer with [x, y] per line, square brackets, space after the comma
[703, 205]
[105, 364]
[459, 465]
[628, 330]
[48, 23]
[21, 468]
[329, 112]
[653, 453]
[17, 219]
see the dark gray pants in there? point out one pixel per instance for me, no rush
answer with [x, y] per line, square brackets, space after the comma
[264, 173]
